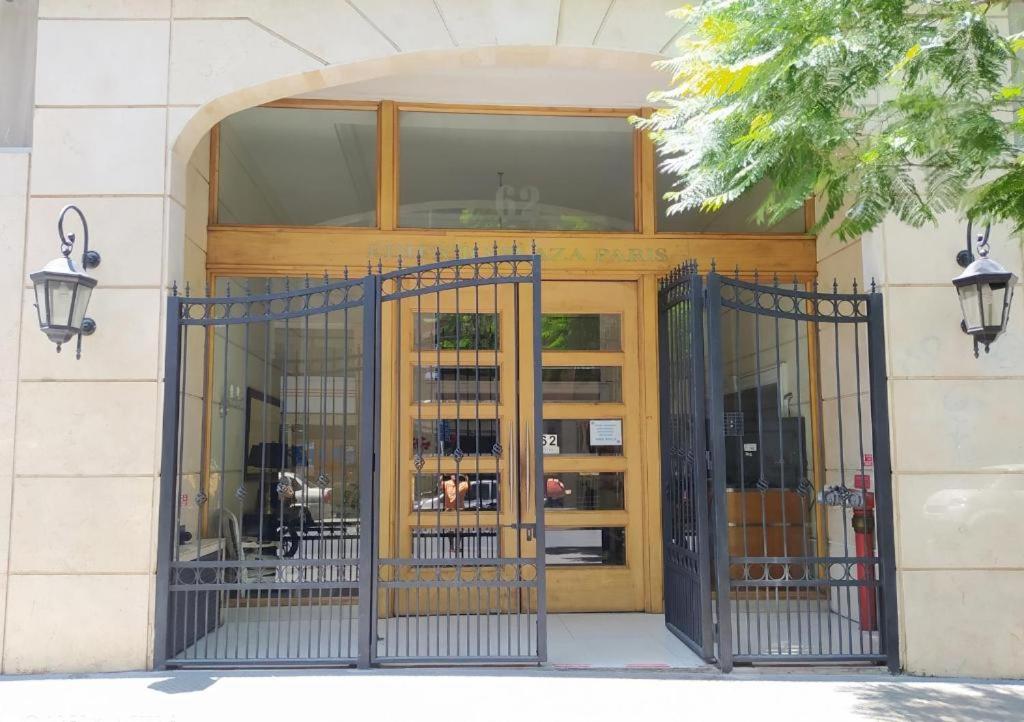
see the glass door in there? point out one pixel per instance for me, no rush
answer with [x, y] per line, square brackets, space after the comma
[591, 442]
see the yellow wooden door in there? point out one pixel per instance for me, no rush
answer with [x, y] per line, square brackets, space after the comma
[592, 446]
[472, 394]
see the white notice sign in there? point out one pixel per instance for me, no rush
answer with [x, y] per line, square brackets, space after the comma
[550, 443]
[606, 432]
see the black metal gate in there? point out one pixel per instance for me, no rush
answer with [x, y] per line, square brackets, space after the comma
[273, 546]
[459, 543]
[686, 524]
[799, 504]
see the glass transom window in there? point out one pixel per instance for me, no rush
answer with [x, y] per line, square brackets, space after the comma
[298, 167]
[528, 172]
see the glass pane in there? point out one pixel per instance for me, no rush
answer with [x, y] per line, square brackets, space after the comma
[62, 294]
[432, 490]
[473, 435]
[737, 217]
[584, 491]
[456, 383]
[298, 167]
[40, 289]
[581, 332]
[604, 546]
[594, 437]
[582, 383]
[81, 305]
[470, 170]
[450, 331]
[455, 542]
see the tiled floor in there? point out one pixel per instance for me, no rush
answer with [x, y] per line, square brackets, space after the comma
[574, 640]
[616, 640]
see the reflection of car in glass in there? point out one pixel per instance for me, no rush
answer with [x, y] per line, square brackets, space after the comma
[312, 501]
[482, 494]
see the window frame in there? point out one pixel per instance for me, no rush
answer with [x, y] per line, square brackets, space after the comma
[645, 201]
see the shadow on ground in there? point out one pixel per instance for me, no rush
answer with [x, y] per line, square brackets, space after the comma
[931, 701]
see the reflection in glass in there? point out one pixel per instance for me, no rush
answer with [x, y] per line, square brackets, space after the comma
[450, 331]
[456, 383]
[432, 437]
[473, 170]
[582, 383]
[470, 542]
[605, 546]
[298, 167]
[584, 491]
[481, 492]
[581, 332]
[572, 436]
[736, 217]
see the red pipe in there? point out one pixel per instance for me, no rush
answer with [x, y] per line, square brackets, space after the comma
[863, 523]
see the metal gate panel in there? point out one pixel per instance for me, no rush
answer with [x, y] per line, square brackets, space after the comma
[266, 476]
[459, 535]
[798, 419]
[684, 466]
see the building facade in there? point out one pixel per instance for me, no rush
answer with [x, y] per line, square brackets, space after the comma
[202, 140]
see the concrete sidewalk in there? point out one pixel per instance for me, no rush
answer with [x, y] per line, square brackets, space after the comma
[503, 694]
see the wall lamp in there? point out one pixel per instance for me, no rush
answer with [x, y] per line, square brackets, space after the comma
[63, 288]
[985, 289]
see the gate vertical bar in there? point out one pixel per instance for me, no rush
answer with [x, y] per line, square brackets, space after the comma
[168, 480]
[716, 424]
[698, 390]
[538, 470]
[369, 472]
[883, 478]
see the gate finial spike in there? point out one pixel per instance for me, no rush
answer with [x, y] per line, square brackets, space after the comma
[399, 261]
[174, 288]
[369, 267]
[207, 289]
[796, 283]
[437, 254]
[419, 257]
[515, 248]
[266, 285]
[327, 278]
[344, 272]
[495, 248]
[188, 289]
[775, 279]
[835, 285]
[533, 247]
[476, 250]
[287, 283]
[855, 285]
[814, 284]
[306, 281]
[457, 251]
[874, 288]
[380, 266]
[757, 276]
[714, 265]
[736, 272]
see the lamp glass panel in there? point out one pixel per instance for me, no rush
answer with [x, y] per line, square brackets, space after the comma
[992, 303]
[40, 287]
[81, 304]
[62, 296]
